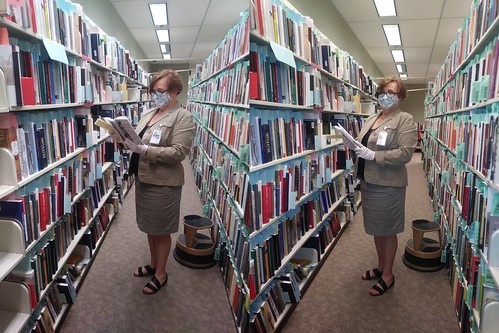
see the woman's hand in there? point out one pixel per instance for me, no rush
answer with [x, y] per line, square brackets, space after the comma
[139, 149]
[364, 152]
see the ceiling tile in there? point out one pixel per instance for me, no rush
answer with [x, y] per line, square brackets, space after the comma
[421, 9]
[203, 48]
[187, 12]
[225, 12]
[380, 55]
[184, 34]
[456, 8]
[182, 47]
[370, 34]
[356, 11]
[417, 69]
[150, 47]
[135, 14]
[213, 33]
[447, 31]
[418, 33]
[145, 35]
[439, 54]
[417, 54]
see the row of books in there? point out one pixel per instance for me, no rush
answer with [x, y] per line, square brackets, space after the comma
[227, 123]
[229, 86]
[472, 137]
[283, 292]
[236, 293]
[65, 23]
[472, 289]
[476, 83]
[303, 85]
[233, 46]
[269, 253]
[483, 16]
[464, 198]
[298, 33]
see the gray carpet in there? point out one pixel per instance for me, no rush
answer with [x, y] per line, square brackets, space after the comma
[111, 298]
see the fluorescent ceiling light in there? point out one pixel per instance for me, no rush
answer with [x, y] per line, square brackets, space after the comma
[398, 55]
[167, 56]
[163, 35]
[403, 76]
[159, 14]
[401, 68]
[163, 48]
[385, 7]
[392, 34]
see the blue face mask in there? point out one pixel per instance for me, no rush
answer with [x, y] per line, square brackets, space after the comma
[160, 99]
[387, 100]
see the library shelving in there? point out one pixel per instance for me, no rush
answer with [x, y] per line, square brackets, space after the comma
[270, 170]
[62, 178]
[461, 150]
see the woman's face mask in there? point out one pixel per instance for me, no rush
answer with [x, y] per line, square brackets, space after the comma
[160, 99]
[387, 100]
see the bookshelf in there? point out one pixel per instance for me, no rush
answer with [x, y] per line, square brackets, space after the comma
[270, 170]
[460, 156]
[62, 179]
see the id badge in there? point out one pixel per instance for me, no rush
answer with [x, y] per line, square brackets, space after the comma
[382, 138]
[156, 137]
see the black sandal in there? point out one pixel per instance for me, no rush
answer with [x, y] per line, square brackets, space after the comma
[154, 285]
[377, 274]
[149, 271]
[383, 288]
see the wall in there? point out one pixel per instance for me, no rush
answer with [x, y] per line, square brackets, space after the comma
[329, 21]
[107, 18]
[414, 103]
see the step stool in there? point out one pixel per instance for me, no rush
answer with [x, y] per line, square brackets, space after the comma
[195, 249]
[422, 253]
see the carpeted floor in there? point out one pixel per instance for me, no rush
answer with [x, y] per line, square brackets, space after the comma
[111, 298]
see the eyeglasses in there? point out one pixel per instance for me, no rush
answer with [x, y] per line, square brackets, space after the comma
[387, 93]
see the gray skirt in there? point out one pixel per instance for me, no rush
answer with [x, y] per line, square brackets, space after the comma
[383, 208]
[157, 208]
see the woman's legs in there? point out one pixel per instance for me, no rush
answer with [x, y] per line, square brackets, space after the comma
[386, 246]
[160, 249]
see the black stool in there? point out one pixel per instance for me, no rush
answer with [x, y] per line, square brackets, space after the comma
[194, 249]
[421, 253]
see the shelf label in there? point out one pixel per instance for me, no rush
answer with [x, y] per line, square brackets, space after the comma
[55, 51]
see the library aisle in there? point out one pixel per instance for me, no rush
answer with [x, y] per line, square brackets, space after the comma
[111, 299]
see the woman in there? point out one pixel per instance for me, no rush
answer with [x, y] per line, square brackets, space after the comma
[167, 133]
[387, 142]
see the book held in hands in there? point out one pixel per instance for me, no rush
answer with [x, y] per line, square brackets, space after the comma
[121, 126]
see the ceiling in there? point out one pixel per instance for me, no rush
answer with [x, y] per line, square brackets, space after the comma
[428, 27]
[196, 26]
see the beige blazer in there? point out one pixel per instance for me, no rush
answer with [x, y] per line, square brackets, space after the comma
[388, 167]
[162, 162]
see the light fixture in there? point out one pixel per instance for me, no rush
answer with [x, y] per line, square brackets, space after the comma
[403, 76]
[401, 68]
[163, 35]
[385, 7]
[167, 56]
[158, 13]
[163, 48]
[398, 55]
[392, 34]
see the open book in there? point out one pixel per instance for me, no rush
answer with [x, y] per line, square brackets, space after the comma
[121, 126]
[347, 135]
